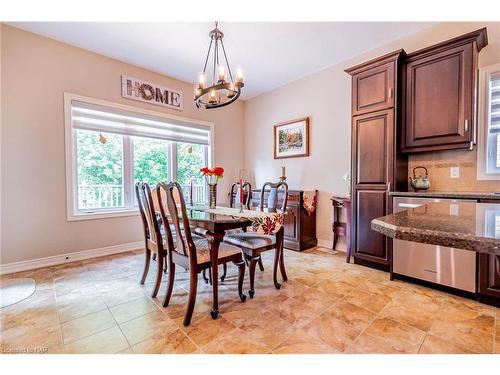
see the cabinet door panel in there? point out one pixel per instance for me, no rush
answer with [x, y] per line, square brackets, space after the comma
[489, 275]
[439, 99]
[373, 89]
[291, 223]
[373, 136]
[370, 204]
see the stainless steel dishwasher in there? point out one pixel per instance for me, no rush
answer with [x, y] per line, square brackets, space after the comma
[455, 268]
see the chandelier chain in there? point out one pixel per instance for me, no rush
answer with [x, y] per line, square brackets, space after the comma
[208, 55]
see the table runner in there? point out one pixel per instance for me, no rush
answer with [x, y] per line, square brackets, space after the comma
[262, 222]
[310, 201]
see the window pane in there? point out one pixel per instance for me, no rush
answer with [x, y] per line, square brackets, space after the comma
[150, 160]
[190, 158]
[100, 170]
[493, 147]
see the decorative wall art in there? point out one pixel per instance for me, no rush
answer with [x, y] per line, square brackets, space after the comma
[143, 91]
[291, 139]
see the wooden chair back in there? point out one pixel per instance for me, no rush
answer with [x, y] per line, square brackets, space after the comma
[148, 214]
[272, 198]
[184, 241]
[234, 194]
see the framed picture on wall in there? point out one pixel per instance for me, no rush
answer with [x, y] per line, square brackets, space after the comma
[291, 139]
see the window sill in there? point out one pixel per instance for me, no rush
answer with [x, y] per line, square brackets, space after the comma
[102, 215]
[488, 176]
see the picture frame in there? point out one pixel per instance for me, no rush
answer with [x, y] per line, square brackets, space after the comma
[291, 138]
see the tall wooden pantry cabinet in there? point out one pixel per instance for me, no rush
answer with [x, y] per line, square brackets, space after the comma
[376, 165]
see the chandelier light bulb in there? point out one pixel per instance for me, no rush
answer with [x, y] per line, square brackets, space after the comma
[231, 92]
[222, 73]
[197, 91]
[201, 80]
[239, 75]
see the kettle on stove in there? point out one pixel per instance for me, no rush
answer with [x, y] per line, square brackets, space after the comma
[420, 182]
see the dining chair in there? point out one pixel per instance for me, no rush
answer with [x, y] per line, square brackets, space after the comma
[190, 251]
[234, 194]
[153, 237]
[253, 244]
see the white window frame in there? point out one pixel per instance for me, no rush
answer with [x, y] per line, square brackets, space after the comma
[72, 214]
[483, 121]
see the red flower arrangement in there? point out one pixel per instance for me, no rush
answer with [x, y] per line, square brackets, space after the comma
[212, 175]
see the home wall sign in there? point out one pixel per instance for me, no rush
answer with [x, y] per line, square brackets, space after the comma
[143, 91]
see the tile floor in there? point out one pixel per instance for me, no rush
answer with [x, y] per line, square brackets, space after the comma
[327, 306]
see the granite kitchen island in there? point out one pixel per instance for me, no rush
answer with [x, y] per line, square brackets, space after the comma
[461, 225]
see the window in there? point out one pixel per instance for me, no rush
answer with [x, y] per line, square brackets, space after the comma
[489, 123]
[110, 147]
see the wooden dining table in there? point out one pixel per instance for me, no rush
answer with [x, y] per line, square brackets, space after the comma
[216, 226]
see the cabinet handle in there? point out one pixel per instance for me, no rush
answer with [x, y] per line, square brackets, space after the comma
[390, 93]
[466, 125]
[389, 186]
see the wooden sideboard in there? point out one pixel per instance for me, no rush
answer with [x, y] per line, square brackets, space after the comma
[300, 228]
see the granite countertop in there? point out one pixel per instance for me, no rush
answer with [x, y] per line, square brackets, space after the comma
[449, 194]
[462, 225]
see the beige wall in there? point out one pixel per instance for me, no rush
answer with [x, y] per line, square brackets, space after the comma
[325, 97]
[36, 71]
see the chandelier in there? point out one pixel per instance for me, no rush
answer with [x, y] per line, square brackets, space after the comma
[224, 88]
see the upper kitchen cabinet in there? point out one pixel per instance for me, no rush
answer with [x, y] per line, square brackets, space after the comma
[373, 84]
[440, 94]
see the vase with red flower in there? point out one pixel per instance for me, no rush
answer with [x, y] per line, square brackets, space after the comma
[212, 176]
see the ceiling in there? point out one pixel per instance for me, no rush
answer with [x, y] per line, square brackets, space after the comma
[271, 54]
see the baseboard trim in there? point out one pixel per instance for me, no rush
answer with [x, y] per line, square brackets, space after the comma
[324, 243]
[68, 258]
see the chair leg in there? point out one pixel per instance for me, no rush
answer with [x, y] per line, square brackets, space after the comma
[204, 275]
[241, 276]
[165, 268]
[146, 266]
[159, 274]
[154, 256]
[193, 286]
[170, 284]
[253, 263]
[275, 267]
[261, 266]
[282, 265]
[224, 272]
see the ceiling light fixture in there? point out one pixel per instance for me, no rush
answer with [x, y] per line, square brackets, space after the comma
[221, 92]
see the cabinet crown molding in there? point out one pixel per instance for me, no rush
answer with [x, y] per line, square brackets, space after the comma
[479, 36]
[392, 56]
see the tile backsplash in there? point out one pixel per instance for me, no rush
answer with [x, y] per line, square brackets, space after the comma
[439, 163]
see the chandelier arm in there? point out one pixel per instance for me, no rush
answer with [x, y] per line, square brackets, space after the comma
[216, 48]
[227, 62]
[208, 55]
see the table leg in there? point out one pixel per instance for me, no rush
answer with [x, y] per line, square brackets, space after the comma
[214, 240]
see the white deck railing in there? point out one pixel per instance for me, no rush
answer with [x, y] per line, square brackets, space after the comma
[100, 196]
[111, 196]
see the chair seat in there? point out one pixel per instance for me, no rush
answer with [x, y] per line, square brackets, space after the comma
[250, 240]
[227, 252]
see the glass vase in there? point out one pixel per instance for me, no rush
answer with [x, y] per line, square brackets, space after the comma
[212, 190]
